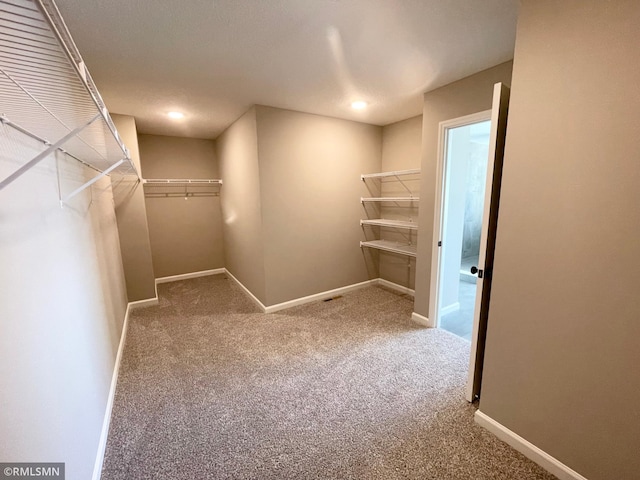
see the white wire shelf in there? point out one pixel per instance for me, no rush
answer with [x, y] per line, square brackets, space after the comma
[393, 247]
[390, 199]
[181, 187]
[47, 93]
[381, 222]
[180, 182]
[397, 173]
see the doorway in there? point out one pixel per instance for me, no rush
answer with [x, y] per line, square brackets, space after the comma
[455, 204]
[464, 165]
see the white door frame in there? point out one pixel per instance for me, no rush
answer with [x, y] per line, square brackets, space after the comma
[436, 250]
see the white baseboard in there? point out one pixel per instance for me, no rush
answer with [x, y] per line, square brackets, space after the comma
[319, 296]
[422, 320]
[396, 287]
[246, 290]
[528, 449]
[186, 276]
[454, 307]
[147, 302]
[104, 435]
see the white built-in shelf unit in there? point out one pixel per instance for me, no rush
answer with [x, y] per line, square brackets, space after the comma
[407, 248]
[47, 93]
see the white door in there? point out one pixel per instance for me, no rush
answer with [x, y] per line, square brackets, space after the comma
[484, 269]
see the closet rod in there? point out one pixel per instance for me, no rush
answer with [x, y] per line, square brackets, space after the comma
[184, 195]
[181, 181]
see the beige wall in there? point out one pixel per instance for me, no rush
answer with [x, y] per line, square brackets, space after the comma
[132, 221]
[310, 186]
[62, 305]
[237, 153]
[186, 235]
[401, 150]
[562, 349]
[464, 97]
[402, 145]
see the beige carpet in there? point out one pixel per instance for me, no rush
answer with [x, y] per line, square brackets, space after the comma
[347, 389]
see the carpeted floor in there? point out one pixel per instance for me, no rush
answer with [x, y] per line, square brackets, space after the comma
[347, 389]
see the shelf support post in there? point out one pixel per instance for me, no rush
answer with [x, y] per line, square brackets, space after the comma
[42, 155]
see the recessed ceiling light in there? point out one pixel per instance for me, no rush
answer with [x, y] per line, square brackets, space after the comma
[359, 105]
[176, 115]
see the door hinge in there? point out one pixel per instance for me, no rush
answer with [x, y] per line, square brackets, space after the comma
[440, 243]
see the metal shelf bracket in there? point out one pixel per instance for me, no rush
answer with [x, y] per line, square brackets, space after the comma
[92, 181]
[47, 151]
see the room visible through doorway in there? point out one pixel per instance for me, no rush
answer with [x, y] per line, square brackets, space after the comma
[467, 149]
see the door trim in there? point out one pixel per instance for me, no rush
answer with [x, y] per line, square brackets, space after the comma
[443, 129]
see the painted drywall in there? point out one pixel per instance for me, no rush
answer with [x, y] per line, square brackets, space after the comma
[185, 232]
[237, 154]
[401, 150]
[131, 214]
[562, 344]
[62, 304]
[464, 97]
[310, 187]
[402, 145]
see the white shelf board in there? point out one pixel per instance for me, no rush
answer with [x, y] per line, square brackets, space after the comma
[390, 199]
[390, 174]
[389, 246]
[46, 91]
[381, 222]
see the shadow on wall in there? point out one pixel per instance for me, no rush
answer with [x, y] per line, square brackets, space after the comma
[124, 188]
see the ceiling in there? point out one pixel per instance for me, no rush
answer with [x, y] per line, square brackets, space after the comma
[213, 59]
